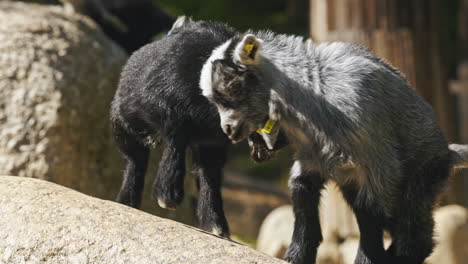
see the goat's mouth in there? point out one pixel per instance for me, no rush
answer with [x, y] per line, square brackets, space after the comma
[239, 134]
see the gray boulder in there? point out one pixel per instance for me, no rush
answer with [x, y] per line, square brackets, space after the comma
[46, 223]
[58, 73]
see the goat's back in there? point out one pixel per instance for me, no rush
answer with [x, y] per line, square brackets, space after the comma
[378, 100]
[158, 91]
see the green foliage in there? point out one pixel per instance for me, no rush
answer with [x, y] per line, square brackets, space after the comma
[278, 15]
[245, 239]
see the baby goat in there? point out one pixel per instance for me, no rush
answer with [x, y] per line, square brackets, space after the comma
[158, 99]
[350, 118]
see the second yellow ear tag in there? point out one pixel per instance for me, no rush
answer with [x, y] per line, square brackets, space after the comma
[248, 47]
[268, 127]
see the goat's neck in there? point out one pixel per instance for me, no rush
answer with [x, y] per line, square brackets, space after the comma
[293, 101]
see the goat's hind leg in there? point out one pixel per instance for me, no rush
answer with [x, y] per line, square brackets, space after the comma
[208, 162]
[168, 185]
[371, 249]
[136, 155]
[413, 226]
[412, 240]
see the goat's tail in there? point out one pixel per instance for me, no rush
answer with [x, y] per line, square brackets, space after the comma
[459, 156]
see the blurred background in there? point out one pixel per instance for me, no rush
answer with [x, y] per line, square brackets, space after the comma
[59, 67]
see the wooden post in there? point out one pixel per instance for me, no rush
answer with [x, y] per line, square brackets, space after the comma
[459, 87]
[411, 35]
[407, 33]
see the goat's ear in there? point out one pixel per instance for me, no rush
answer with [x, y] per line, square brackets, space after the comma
[181, 22]
[248, 50]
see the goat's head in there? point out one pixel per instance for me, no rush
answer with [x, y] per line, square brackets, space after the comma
[232, 80]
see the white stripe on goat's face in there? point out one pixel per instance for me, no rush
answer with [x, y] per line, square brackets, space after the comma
[228, 79]
[206, 72]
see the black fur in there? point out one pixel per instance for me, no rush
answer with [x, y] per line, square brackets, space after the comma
[159, 99]
[305, 191]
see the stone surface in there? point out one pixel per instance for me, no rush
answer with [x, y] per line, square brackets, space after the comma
[58, 73]
[46, 223]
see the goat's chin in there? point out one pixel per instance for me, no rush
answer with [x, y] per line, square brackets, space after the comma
[239, 138]
[235, 141]
[240, 135]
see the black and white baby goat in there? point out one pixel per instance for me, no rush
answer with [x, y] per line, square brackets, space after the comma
[350, 118]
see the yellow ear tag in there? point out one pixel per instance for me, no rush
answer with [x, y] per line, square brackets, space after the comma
[248, 47]
[268, 127]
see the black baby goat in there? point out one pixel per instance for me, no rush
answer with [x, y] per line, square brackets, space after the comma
[159, 100]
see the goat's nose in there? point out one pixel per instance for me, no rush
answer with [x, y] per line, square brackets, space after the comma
[228, 130]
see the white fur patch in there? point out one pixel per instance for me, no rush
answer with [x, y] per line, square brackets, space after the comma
[296, 171]
[162, 204]
[217, 231]
[206, 72]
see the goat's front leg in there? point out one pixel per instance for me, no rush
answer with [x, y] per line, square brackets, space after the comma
[136, 157]
[305, 187]
[168, 185]
[208, 162]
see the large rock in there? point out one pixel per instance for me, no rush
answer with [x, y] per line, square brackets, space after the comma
[46, 223]
[58, 73]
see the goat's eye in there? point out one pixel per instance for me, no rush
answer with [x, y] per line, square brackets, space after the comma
[236, 86]
[237, 91]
